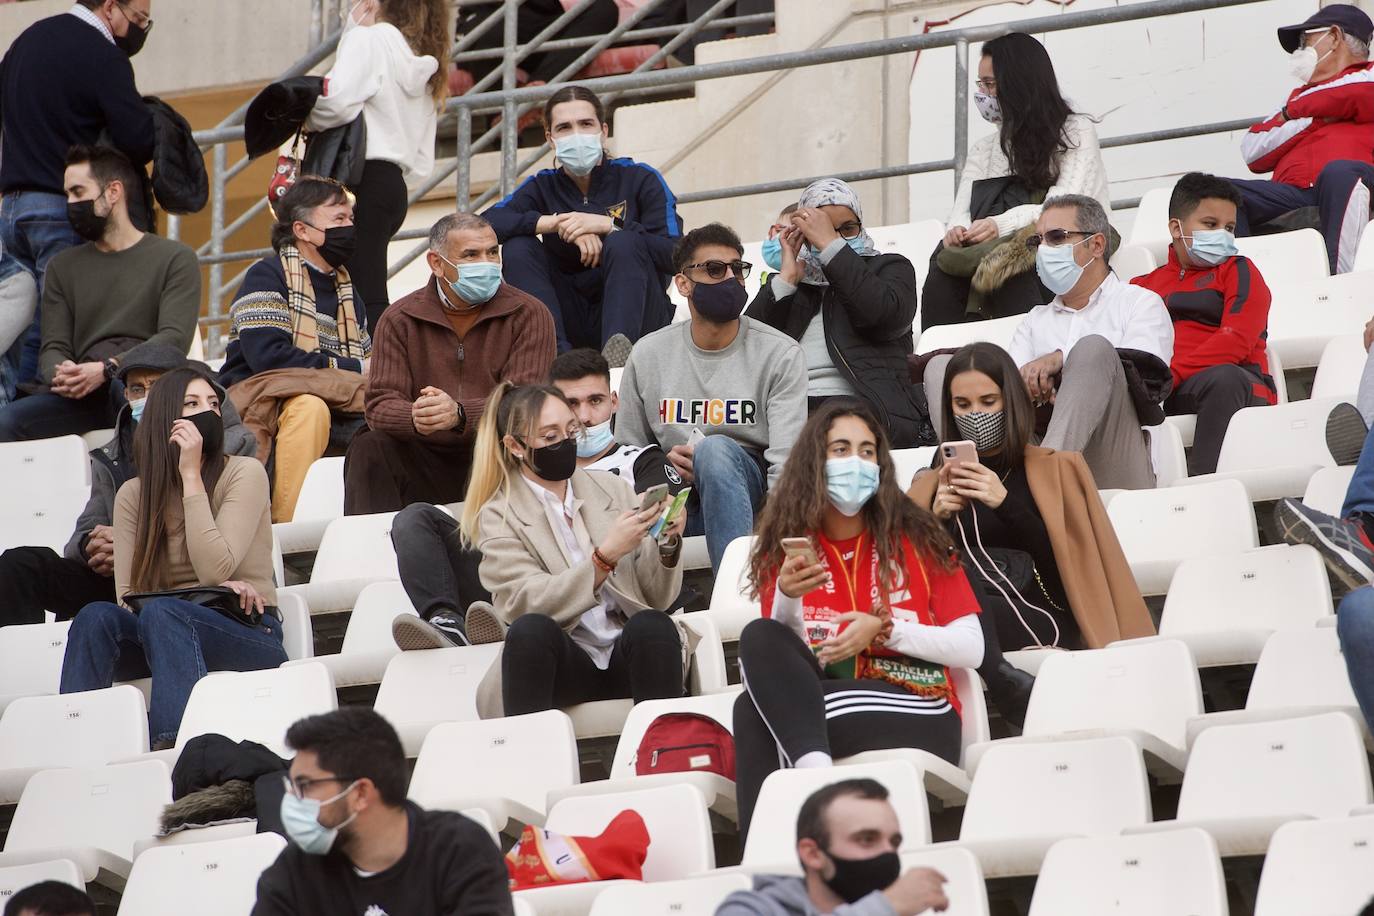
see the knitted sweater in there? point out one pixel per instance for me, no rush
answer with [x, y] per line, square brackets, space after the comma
[1080, 172]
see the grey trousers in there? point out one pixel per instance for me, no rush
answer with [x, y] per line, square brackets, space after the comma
[1093, 414]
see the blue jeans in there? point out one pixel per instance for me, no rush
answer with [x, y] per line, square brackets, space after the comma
[1355, 627]
[175, 641]
[33, 228]
[729, 488]
[1359, 496]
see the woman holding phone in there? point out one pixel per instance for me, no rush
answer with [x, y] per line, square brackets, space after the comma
[568, 559]
[192, 518]
[859, 633]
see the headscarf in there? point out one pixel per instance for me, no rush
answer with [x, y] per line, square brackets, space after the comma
[823, 193]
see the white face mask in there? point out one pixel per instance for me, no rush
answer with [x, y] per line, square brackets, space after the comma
[988, 107]
[1304, 61]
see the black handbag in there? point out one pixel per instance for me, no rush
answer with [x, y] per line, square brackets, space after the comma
[1019, 625]
[215, 597]
[338, 153]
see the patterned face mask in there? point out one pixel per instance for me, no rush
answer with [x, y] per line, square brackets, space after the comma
[985, 429]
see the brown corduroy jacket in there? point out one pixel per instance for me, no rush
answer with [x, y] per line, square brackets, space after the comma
[1102, 592]
[414, 346]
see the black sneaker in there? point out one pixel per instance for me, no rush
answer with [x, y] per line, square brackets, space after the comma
[441, 631]
[617, 351]
[1345, 434]
[482, 624]
[1342, 543]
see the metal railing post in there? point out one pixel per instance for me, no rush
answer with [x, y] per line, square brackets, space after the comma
[510, 123]
[960, 109]
[217, 189]
[316, 21]
[174, 227]
[463, 161]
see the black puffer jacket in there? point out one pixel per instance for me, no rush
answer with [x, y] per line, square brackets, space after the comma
[868, 310]
[179, 179]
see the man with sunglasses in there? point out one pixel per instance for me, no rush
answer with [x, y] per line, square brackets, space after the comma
[359, 846]
[1068, 349]
[724, 395]
[64, 82]
[1319, 146]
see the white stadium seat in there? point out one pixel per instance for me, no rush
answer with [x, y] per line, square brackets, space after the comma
[47, 484]
[1167, 453]
[1318, 868]
[1243, 781]
[421, 689]
[506, 767]
[40, 465]
[1174, 872]
[1326, 490]
[85, 729]
[1161, 528]
[1151, 227]
[32, 656]
[367, 644]
[1306, 316]
[731, 607]
[952, 336]
[256, 705]
[1341, 365]
[688, 897]
[1225, 607]
[220, 876]
[1286, 259]
[908, 461]
[356, 551]
[1274, 450]
[297, 634]
[17, 877]
[90, 815]
[1131, 261]
[964, 884]
[319, 503]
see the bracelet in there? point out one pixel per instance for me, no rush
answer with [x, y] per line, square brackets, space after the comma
[601, 562]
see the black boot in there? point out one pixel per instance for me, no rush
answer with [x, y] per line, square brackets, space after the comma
[1009, 689]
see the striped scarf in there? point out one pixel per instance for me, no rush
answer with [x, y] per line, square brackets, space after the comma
[300, 304]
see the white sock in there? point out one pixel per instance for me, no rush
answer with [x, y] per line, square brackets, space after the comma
[813, 760]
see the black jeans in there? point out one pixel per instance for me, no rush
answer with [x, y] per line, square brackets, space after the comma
[542, 668]
[35, 579]
[380, 210]
[1214, 394]
[438, 573]
[790, 709]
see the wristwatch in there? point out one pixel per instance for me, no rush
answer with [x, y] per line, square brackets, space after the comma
[111, 368]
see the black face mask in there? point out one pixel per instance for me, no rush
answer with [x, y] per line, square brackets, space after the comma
[554, 462]
[211, 428]
[131, 43]
[855, 879]
[339, 243]
[720, 302]
[85, 221]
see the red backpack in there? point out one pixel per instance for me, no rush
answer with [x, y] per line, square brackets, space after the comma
[685, 742]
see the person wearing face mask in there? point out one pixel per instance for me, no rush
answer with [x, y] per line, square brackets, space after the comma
[722, 394]
[440, 352]
[1041, 148]
[358, 845]
[1319, 146]
[1033, 535]
[876, 608]
[1219, 305]
[772, 246]
[1074, 351]
[298, 351]
[593, 238]
[120, 288]
[65, 81]
[848, 840]
[386, 71]
[851, 309]
[578, 586]
[193, 517]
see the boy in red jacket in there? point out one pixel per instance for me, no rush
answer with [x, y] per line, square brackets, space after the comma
[1219, 305]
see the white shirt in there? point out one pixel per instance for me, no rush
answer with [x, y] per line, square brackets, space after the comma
[80, 12]
[1130, 317]
[598, 627]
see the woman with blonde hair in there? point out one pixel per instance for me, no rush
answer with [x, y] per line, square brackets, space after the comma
[391, 68]
[567, 558]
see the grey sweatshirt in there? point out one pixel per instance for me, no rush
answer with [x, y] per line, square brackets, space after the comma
[753, 391]
[780, 895]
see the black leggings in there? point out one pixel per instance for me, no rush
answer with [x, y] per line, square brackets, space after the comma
[378, 214]
[542, 668]
[790, 708]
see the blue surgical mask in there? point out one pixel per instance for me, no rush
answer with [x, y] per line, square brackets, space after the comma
[1211, 246]
[857, 244]
[136, 408]
[595, 440]
[300, 817]
[477, 282]
[850, 483]
[578, 153]
[1057, 268]
[772, 253]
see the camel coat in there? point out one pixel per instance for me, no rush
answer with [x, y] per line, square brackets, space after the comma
[1102, 592]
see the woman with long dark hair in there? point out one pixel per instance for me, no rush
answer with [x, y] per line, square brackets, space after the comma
[191, 518]
[391, 69]
[861, 625]
[1042, 148]
[1028, 521]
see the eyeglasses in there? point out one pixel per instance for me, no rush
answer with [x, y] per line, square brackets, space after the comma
[1054, 237]
[986, 84]
[302, 784]
[716, 270]
[137, 391]
[850, 230]
[142, 20]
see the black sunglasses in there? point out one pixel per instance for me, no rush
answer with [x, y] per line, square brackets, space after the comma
[716, 269]
[1055, 237]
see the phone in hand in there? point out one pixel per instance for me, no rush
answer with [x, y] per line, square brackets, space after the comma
[800, 547]
[671, 513]
[653, 496]
[961, 452]
[696, 436]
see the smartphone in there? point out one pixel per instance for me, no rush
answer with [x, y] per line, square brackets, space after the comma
[961, 452]
[800, 546]
[696, 436]
[671, 513]
[653, 496]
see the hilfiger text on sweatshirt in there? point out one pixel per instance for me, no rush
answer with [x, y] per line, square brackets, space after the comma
[708, 411]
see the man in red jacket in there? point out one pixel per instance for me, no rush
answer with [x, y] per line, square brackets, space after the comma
[1219, 305]
[1320, 145]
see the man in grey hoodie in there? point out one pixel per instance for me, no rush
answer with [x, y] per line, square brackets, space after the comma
[847, 841]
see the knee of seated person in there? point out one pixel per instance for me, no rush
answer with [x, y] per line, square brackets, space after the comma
[1230, 376]
[306, 408]
[95, 616]
[1355, 617]
[414, 517]
[760, 631]
[521, 246]
[532, 627]
[652, 624]
[623, 242]
[157, 612]
[1090, 348]
[715, 451]
[1337, 169]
